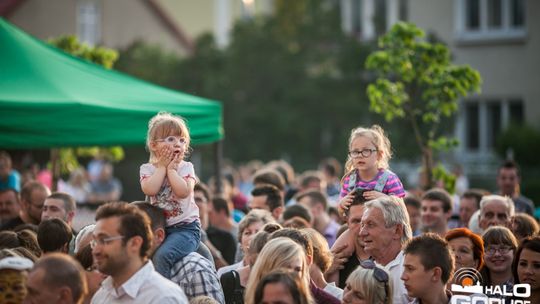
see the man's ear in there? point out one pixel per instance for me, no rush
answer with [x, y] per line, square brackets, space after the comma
[65, 294]
[135, 243]
[69, 217]
[159, 234]
[436, 274]
[277, 212]
[398, 232]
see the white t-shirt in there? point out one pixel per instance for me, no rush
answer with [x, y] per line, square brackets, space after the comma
[177, 210]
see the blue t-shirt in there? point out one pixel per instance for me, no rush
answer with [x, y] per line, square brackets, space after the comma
[13, 182]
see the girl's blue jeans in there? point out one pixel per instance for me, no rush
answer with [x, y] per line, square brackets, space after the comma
[180, 241]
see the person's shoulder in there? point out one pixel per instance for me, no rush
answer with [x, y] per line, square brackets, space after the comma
[147, 168]
[194, 262]
[163, 286]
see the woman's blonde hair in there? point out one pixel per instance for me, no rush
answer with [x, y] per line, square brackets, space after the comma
[166, 124]
[322, 256]
[363, 281]
[378, 139]
[277, 253]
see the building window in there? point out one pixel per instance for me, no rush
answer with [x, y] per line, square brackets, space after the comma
[88, 21]
[485, 120]
[366, 19]
[481, 20]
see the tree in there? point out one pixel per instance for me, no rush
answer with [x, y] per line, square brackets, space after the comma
[65, 160]
[417, 82]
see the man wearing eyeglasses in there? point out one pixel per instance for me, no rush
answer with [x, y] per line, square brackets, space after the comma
[121, 242]
[428, 266]
[194, 273]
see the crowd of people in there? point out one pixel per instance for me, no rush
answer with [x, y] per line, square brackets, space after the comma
[260, 234]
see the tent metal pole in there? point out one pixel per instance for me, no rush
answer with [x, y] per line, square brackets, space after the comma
[218, 162]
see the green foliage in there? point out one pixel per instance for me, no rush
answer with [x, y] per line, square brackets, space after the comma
[98, 55]
[444, 178]
[68, 157]
[416, 81]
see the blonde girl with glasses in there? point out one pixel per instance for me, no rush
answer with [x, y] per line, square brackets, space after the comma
[366, 169]
[367, 176]
[168, 181]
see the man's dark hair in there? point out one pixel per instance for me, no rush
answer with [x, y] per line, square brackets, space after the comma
[273, 196]
[441, 196]
[428, 246]
[269, 176]
[297, 210]
[133, 222]
[220, 204]
[476, 195]
[310, 176]
[331, 166]
[24, 238]
[358, 200]
[510, 164]
[202, 187]
[69, 202]
[84, 257]
[62, 270]
[412, 200]
[155, 213]
[297, 236]
[315, 196]
[54, 235]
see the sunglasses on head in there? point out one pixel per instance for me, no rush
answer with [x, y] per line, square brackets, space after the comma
[379, 274]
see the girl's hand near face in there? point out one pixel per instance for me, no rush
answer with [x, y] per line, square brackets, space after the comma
[345, 202]
[175, 161]
[371, 195]
[164, 156]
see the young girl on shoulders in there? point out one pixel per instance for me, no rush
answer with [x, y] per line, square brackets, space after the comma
[366, 174]
[167, 180]
[366, 169]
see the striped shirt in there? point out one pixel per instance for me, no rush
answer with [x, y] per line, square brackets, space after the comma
[393, 184]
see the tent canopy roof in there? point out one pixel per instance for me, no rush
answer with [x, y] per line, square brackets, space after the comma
[51, 99]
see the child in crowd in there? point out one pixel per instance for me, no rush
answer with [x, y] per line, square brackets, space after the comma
[366, 174]
[168, 182]
[366, 169]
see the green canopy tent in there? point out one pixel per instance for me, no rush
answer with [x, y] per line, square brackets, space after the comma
[51, 99]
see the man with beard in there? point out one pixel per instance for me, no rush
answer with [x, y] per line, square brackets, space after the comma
[120, 246]
[33, 195]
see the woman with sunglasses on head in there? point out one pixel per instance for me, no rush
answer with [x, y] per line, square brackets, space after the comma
[526, 267]
[368, 284]
[500, 245]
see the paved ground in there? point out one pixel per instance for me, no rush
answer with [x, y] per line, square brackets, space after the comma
[83, 217]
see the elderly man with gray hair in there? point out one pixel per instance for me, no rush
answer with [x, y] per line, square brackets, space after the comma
[385, 229]
[495, 210]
